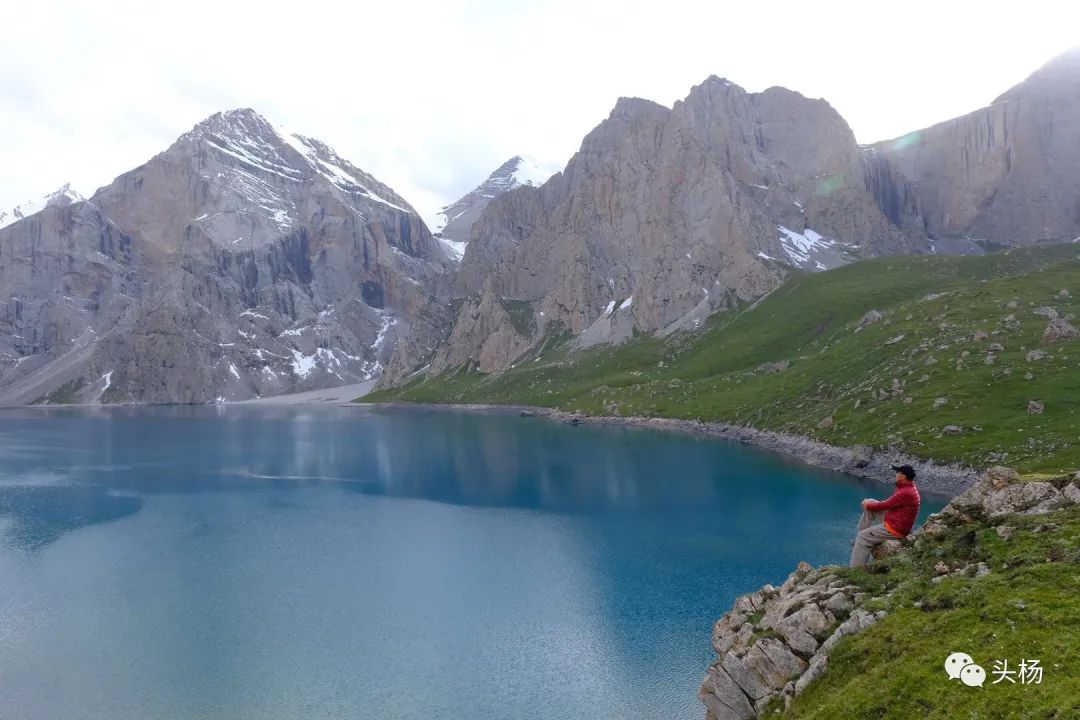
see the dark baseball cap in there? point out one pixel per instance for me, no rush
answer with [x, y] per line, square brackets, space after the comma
[906, 469]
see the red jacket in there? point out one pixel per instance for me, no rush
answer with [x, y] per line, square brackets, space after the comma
[900, 510]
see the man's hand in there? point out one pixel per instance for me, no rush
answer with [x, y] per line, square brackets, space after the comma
[867, 500]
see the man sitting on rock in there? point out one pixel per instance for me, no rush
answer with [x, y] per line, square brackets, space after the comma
[900, 512]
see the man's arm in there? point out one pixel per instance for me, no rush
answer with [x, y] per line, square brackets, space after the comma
[895, 501]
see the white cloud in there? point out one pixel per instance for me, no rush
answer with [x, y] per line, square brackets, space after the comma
[431, 96]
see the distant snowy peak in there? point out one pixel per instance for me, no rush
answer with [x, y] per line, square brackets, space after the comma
[64, 196]
[529, 172]
[453, 223]
[255, 143]
[515, 172]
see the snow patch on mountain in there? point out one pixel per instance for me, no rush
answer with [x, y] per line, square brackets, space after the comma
[810, 250]
[530, 172]
[332, 166]
[455, 248]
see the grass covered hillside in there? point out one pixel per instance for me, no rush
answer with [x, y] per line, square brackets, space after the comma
[956, 368]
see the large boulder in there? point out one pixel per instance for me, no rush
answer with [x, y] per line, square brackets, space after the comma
[871, 317]
[1059, 330]
[1001, 492]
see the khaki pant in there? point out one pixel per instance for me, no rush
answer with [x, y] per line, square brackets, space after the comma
[869, 537]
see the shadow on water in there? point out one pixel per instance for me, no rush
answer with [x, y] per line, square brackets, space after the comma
[39, 515]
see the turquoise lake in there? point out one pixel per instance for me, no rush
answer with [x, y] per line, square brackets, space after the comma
[266, 563]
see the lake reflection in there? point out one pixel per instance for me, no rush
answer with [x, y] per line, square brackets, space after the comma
[254, 562]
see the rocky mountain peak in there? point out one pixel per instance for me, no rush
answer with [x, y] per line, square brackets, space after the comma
[1066, 64]
[506, 168]
[515, 172]
[64, 196]
[241, 122]
[245, 259]
[264, 165]
[632, 107]
[1060, 77]
[715, 84]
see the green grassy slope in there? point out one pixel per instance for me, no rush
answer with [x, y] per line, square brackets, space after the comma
[1027, 608]
[935, 303]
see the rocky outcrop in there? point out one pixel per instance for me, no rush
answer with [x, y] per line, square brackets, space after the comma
[1058, 330]
[775, 642]
[1001, 493]
[1002, 174]
[870, 318]
[243, 261]
[485, 324]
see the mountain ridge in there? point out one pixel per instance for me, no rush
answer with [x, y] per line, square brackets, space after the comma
[239, 262]
[706, 205]
[664, 216]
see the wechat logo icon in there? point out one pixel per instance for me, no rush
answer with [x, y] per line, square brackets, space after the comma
[960, 666]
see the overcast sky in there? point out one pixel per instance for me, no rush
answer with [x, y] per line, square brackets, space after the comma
[431, 96]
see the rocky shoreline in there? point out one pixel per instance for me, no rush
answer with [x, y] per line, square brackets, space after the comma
[860, 461]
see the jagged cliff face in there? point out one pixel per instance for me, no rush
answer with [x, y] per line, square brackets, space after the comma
[242, 261]
[1005, 173]
[248, 261]
[663, 217]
